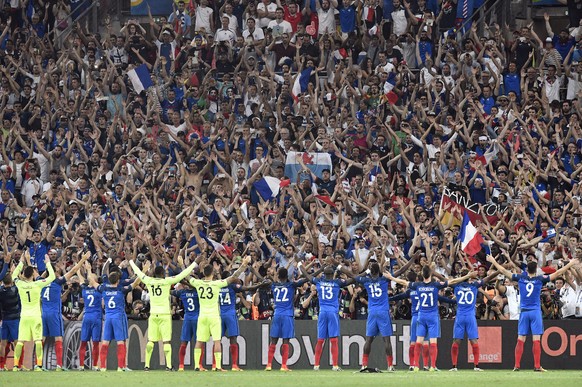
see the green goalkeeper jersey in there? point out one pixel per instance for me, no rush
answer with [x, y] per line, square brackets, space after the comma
[208, 292]
[30, 291]
[159, 288]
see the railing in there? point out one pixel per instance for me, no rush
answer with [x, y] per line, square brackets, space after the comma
[497, 12]
[88, 6]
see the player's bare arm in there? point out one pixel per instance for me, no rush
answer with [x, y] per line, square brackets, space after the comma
[498, 266]
[238, 272]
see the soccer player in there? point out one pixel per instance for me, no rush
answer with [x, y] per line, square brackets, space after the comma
[52, 317]
[428, 323]
[328, 327]
[189, 299]
[10, 312]
[530, 318]
[283, 325]
[160, 320]
[92, 318]
[227, 297]
[378, 322]
[115, 325]
[30, 327]
[209, 324]
[465, 320]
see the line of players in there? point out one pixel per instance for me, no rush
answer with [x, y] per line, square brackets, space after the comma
[209, 307]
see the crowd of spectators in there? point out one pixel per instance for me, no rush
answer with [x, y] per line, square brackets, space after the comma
[405, 101]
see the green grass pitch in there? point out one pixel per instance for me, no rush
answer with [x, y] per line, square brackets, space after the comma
[296, 378]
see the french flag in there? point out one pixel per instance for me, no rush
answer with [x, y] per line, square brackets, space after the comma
[140, 78]
[301, 82]
[220, 248]
[470, 238]
[549, 234]
[391, 96]
[268, 187]
[490, 155]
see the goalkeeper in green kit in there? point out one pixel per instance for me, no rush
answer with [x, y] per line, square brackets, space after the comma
[160, 320]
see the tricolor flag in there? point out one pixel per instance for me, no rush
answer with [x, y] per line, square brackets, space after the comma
[391, 96]
[470, 238]
[268, 187]
[301, 82]
[220, 248]
[326, 199]
[489, 155]
[340, 54]
[315, 161]
[140, 78]
[549, 234]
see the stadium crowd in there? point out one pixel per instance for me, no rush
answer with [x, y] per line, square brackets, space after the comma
[407, 99]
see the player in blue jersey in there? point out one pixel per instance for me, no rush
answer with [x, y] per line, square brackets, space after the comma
[227, 299]
[92, 318]
[328, 326]
[428, 323]
[530, 318]
[115, 325]
[379, 321]
[465, 320]
[414, 309]
[189, 298]
[52, 318]
[283, 324]
[9, 312]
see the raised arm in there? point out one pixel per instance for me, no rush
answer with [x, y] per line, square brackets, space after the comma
[458, 280]
[564, 269]
[238, 271]
[501, 269]
[79, 264]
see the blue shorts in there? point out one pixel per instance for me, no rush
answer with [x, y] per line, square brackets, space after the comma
[282, 327]
[229, 325]
[189, 330]
[379, 323]
[530, 323]
[413, 323]
[91, 328]
[328, 325]
[115, 328]
[9, 330]
[52, 325]
[465, 324]
[428, 326]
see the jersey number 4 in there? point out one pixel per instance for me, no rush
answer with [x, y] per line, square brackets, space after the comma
[205, 293]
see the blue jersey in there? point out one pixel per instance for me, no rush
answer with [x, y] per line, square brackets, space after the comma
[466, 295]
[227, 297]
[377, 289]
[92, 298]
[529, 290]
[328, 292]
[428, 294]
[283, 297]
[50, 296]
[189, 298]
[114, 299]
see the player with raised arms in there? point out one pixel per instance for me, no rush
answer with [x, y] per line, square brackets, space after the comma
[465, 319]
[92, 324]
[189, 299]
[115, 324]
[30, 327]
[52, 317]
[160, 319]
[428, 323]
[328, 326]
[530, 319]
[283, 324]
[209, 322]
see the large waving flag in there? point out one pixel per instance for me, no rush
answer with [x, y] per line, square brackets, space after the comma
[301, 82]
[389, 85]
[470, 238]
[454, 205]
[315, 161]
[220, 248]
[268, 187]
[549, 234]
[140, 78]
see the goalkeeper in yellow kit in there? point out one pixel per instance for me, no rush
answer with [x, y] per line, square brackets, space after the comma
[209, 323]
[160, 320]
[30, 327]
